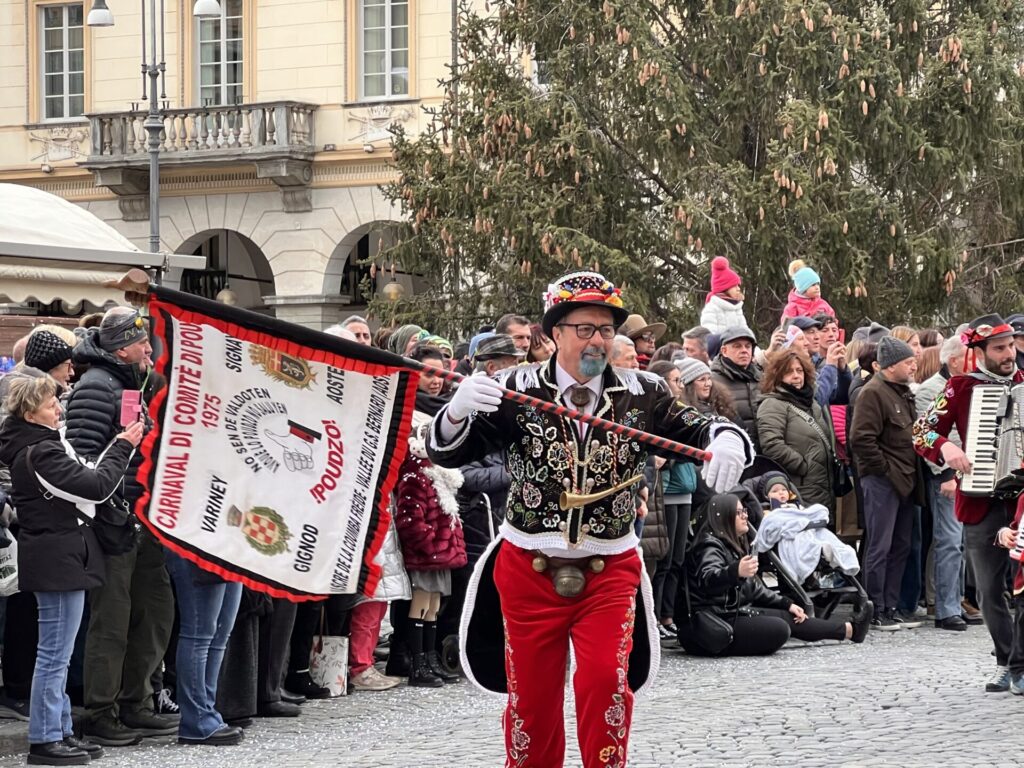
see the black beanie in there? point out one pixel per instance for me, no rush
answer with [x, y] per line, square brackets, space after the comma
[46, 350]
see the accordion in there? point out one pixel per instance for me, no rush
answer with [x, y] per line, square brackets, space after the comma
[995, 442]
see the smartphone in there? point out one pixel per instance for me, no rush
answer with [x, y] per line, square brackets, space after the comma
[131, 406]
[842, 336]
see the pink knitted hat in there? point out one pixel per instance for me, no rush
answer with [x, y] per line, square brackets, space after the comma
[723, 277]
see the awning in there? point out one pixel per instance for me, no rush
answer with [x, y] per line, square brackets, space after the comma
[52, 249]
[24, 280]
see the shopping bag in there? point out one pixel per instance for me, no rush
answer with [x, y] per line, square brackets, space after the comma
[328, 662]
[9, 568]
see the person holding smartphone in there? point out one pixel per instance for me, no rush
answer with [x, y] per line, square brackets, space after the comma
[59, 557]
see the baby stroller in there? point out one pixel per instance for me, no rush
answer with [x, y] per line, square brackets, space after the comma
[826, 588]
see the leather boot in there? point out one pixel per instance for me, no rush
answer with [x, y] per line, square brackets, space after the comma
[434, 662]
[399, 661]
[421, 675]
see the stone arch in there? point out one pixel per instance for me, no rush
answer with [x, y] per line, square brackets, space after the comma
[343, 273]
[234, 261]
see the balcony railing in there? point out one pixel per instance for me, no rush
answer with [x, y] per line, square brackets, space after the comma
[272, 129]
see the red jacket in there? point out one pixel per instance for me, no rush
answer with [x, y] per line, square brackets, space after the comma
[951, 409]
[431, 537]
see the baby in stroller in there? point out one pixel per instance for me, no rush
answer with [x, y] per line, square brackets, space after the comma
[799, 534]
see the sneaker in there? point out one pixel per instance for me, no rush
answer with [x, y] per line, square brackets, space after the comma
[163, 704]
[999, 682]
[884, 623]
[150, 723]
[372, 680]
[107, 730]
[906, 621]
[14, 708]
[1017, 684]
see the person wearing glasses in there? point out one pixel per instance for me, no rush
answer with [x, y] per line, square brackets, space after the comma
[553, 572]
[748, 619]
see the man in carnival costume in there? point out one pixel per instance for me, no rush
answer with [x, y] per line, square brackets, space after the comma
[557, 575]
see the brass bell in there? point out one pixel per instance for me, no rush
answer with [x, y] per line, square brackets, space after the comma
[597, 564]
[540, 564]
[569, 581]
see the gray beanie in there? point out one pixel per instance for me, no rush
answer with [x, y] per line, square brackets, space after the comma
[691, 369]
[891, 351]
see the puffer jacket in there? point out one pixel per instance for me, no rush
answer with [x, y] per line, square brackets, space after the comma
[394, 581]
[715, 583]
[56, 551]
[427, 517]
[744, 384]
[654, 541]
[719, 314]
[94, 408]
[788, 439]
[801, 306]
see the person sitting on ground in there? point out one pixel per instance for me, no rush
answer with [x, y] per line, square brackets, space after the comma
[722, 579]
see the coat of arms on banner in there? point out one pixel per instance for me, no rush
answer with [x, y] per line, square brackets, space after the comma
[288, 369]
[263, 527]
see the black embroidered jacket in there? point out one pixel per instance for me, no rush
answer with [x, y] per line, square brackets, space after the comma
[545, 455]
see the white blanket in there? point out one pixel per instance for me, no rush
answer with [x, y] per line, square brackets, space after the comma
[800, 548]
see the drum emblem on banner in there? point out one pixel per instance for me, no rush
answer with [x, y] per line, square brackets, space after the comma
[264, 529]
[288, 369]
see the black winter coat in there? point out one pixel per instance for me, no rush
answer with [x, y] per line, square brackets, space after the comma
[744, 384]
[93, 416]
[714, 581]
[56, 553]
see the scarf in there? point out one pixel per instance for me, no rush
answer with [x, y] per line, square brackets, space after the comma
[399, 340]
[802, 398]
[429, 404]
[750, 373]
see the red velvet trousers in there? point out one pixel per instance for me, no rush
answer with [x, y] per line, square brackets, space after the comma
[538, 627]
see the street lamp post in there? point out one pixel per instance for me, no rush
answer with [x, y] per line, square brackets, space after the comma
[154, 69]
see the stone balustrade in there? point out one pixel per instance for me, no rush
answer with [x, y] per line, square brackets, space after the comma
[202, 133]
[276, 137]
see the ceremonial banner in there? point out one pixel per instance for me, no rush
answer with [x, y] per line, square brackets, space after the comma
[275, 448]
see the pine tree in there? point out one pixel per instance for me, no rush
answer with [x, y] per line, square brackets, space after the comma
[879, 141]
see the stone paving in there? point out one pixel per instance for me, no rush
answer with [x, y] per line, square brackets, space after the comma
[912, 698]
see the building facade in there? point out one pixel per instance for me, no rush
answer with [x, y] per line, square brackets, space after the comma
[275, 132]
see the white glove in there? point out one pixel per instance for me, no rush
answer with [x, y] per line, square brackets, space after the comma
[728, 460]
[476, 394]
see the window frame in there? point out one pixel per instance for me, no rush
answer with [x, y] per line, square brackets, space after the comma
[357, 79]
[38, 31]
[195, 46]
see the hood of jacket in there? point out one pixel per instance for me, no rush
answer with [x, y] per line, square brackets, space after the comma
[89, 352]
[18, 434]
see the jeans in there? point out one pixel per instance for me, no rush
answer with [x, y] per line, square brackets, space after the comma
[990, 565]
[948, 537]
[60, 614]
[207, 614]
[889, 521]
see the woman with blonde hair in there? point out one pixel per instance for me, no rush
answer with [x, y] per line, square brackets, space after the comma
[59, 557]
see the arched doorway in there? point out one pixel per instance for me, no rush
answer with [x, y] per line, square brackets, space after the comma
[236, 269]
[348, 273]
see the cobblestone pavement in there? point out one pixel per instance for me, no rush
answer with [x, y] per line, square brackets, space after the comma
[912, 698]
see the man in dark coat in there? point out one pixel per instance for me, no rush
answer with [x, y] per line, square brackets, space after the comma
[887, 467]
[735, 369]
[131, 615]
